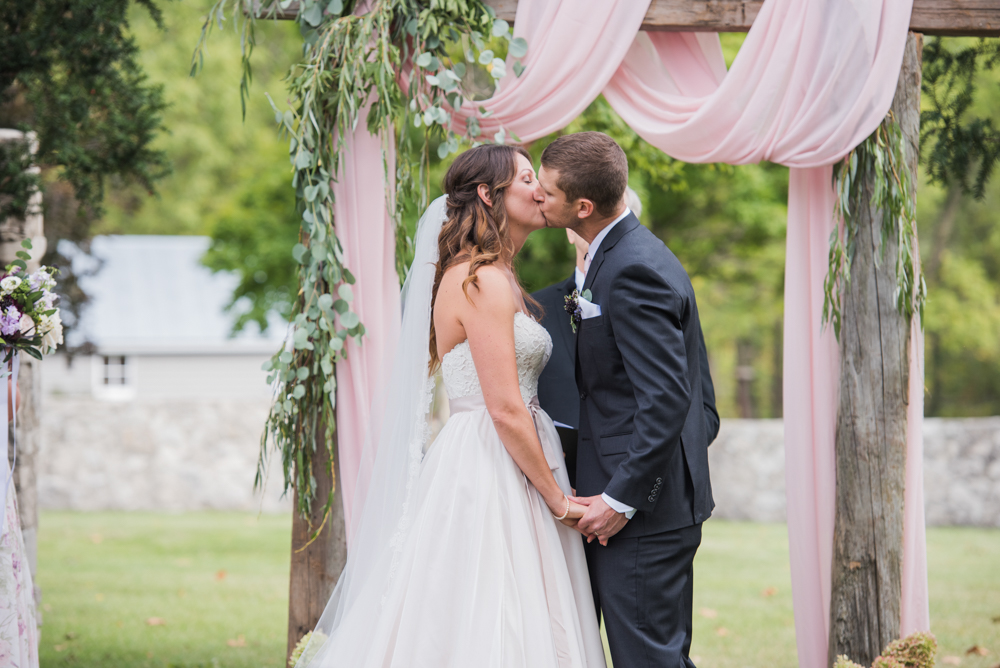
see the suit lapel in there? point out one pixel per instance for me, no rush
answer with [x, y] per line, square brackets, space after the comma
[627, 224]
[564, 329]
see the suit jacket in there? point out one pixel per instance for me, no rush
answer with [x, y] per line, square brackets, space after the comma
[643, 430]
[557, 393]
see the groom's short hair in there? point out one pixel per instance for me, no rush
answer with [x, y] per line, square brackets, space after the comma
[592, 166]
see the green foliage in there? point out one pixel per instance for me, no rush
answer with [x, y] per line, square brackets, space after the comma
[962, 141]
[17, 180]
[916, 650]
[880, 161]
[251, 238]
[352, 63]
[70, 73]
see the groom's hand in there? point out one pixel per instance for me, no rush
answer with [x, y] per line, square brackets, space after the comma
[600, 521]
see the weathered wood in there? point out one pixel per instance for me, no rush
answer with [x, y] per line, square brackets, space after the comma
[871, 425]
[12, 232]
[316, 568]
[930, 17]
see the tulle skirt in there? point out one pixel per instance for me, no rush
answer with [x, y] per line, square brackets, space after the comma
[485, 576]
[18, 628]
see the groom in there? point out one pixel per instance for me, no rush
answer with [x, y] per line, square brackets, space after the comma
[642, 456]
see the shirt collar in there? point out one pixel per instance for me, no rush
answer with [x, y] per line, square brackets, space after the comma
[596, 243]
[579, 277]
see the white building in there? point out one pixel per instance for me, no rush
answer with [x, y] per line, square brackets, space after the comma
[168, 412]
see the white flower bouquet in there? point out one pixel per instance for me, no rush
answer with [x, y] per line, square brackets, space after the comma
[29, 319]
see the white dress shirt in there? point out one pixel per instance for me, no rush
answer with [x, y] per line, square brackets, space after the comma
[616, 505]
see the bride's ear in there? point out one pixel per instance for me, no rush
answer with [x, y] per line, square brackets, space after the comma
[484, 194]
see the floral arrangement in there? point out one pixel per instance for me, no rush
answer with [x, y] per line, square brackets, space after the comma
[573, 307]
[29, 319]
[916, 650]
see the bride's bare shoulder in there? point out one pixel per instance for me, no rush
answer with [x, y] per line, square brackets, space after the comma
[490, 289]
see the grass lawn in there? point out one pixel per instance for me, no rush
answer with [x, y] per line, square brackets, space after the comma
[210, 589]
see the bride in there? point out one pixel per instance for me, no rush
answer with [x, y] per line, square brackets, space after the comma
[464, 552]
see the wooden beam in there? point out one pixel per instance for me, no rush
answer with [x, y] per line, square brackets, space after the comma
[930, 17]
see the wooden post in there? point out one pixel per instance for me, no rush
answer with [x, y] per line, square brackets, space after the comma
[315, 568]
[871, 424]
[12, 232]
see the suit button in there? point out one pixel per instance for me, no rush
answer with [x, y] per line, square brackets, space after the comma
[583, 395]
[651, 498]
[659, 480]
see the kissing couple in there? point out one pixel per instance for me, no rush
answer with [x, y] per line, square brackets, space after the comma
[467, 551]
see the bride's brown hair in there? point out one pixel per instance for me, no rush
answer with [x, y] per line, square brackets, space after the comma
[474, 232]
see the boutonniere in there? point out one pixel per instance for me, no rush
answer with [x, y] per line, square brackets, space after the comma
[573, 307]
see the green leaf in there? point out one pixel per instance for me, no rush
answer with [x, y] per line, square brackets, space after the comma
[459, 69]
[335, 7]
[303, 160]
[325, 302]
[302, 373]
[285, 357]
[443, 150]
[345, 292]
[299, 391]
[23, 255]
[313, 15]
[423, 60]
[349, 320]
[518, 47]
[298, 252]
[499, 70]
[26, 243]
[500, 28]
[267, 366]
[486, 57]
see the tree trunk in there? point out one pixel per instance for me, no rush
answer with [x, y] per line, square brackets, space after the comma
[746, 351]
[871, 424]
[316, 567]
[12, 232]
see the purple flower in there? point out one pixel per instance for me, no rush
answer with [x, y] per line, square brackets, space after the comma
[10, 321]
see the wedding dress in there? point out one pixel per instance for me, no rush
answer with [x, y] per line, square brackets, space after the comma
[18, 628]
[474, 571]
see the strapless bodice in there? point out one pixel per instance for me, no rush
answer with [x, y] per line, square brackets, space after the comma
[532, 346]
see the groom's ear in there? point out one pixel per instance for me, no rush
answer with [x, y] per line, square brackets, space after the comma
[484, 194]
[585, 208]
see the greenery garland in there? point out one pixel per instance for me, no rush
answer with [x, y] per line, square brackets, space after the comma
[407, 62]
[880, 159]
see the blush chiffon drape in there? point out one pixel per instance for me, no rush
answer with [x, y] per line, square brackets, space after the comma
[811, 81]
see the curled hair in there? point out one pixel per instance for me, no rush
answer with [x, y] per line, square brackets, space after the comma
[475, 232]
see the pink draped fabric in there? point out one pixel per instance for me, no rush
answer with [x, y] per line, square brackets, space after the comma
[812, 80]
[367, 235]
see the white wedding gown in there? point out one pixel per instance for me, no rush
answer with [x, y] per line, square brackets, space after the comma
[486, 577]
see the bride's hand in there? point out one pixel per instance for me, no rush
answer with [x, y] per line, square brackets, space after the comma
[576, 511]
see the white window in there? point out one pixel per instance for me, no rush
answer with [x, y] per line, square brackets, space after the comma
[113, 377]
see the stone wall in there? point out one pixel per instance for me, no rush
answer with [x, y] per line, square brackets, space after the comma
[162, 455]
[199, 455]
[961, 471]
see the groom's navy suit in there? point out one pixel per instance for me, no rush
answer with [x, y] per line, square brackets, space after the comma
[644, 442]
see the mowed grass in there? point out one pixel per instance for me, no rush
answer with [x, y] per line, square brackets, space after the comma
[218, 583]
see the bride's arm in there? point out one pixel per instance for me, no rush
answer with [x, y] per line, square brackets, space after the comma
[489, 324]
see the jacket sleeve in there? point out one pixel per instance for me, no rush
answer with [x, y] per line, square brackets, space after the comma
[707, 391]
[646, 316]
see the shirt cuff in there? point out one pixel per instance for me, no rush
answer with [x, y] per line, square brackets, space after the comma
[619, 507]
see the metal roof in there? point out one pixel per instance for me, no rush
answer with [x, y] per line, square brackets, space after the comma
[153, 295]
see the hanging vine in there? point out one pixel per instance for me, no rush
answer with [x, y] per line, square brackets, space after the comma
[403, 64]
[881, 160]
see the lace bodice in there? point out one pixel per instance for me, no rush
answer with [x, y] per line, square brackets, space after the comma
[532, 345]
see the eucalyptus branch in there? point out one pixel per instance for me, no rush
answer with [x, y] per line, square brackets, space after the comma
[881, 160]
[404, 63]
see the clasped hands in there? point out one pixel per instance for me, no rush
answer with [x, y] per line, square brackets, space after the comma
[594, 518]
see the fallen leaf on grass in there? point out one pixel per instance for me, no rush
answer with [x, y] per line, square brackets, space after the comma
[156, 621]
[59, 648]
[708, 613]
[722, 631]
[769, 592]
[99, 597]
[996, 620]
[71, 635]
[220, 576]
[977, 649]
[47, 607]
[239, 642]
[952, 660]
[96, 538]
[120, 624]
